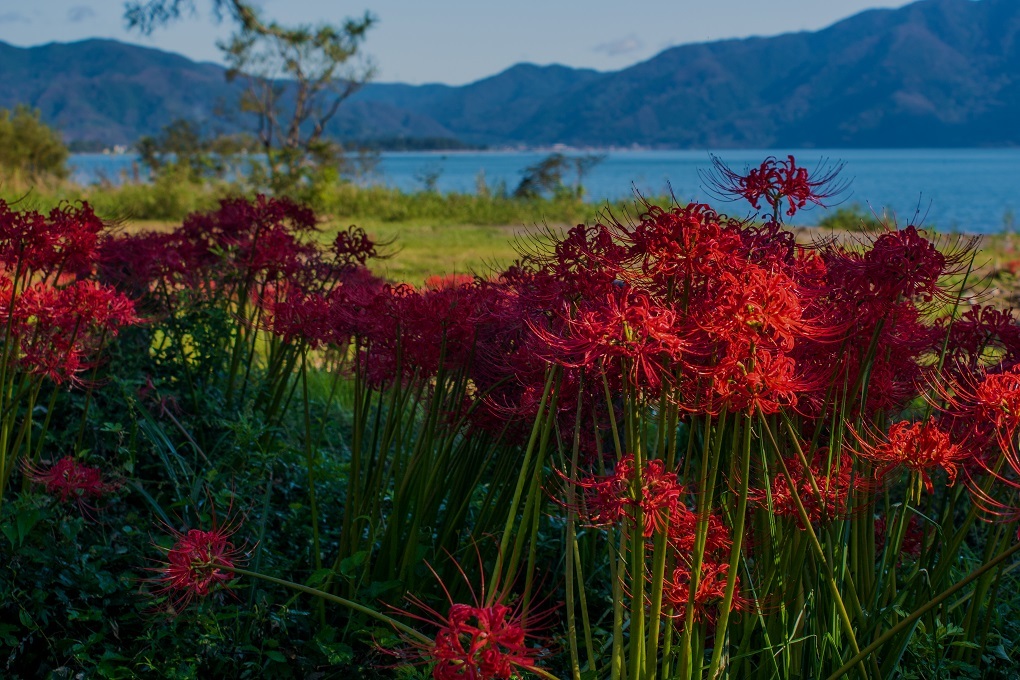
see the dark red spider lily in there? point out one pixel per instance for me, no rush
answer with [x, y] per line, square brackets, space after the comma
[983, 405]
[198, 562]
[825, 489]
[486, 640]
[709, 594]
[683, 527]
[776, 181]
[653, 490]
[920, 447]
[65, 240]
[353, 246]
[60, 330]
[981, 337]
[480, 643]
[68, 480]
[618, 327]
[913, 538]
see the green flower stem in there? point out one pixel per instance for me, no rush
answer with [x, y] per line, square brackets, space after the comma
[575, 664]
[921, 611]
[511, 517]
[354, 606]
[738, 539]
[819, 553]
[310, 462]
[706, 484]
[617, 563]
[583, 602]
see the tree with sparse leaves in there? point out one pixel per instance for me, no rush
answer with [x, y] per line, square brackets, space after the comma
[296, 79]
[547, 175]
[184, 150]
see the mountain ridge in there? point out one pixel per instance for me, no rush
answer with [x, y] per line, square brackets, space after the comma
[932, 73]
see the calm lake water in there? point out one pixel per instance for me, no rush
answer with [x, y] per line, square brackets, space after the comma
[974, 190]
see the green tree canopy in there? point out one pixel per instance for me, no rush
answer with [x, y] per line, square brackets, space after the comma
[28, 147]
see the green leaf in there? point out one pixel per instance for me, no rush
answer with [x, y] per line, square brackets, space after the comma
[376, 589]
[337, 653]
[318, 577]
[26, 620]
[350, 565]
[276, 656]
[965, 644]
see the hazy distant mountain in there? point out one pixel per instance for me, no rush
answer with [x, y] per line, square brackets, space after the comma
[934, 73]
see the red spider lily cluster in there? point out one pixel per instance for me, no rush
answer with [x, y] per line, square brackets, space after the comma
[55, 319]
[485, 640]
[68, 480]
[921, 447]
[480, 642]
[665, 350]
[197, 564]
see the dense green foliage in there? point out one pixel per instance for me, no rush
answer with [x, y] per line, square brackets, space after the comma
[172, 195]
[29, 149]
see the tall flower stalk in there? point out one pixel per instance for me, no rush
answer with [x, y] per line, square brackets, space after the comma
[55, 320]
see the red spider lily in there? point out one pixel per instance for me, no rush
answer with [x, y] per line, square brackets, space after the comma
[360, 306]
[440, 282]
[685, 244]
[683, 525]
[913, 538]
[196, 564]
[352, 245]
[486, 640]
[825, 489]
[920, 447]
[776, 181]
[589, 257]
[68, 480]
[765, 381]
[982, 336]
[997, 399]
[709, 595]
[611, 498]
[618, 327]
[758, 308]
[293, 314]
[983, 406]
[135, 263]
[898, 264]
[64, 241]
[770, 246]
[480, 642]
[230, 253]
[60, 330]
[897, 332]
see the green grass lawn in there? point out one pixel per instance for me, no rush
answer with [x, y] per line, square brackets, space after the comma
[420, 248]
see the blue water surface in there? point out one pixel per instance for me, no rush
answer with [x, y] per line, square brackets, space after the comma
[973, 190]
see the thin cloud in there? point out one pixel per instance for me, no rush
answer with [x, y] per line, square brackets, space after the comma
[14, 18]
[615, 48]
[80, 13]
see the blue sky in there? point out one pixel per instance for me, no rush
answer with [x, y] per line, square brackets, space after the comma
[458, 41]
